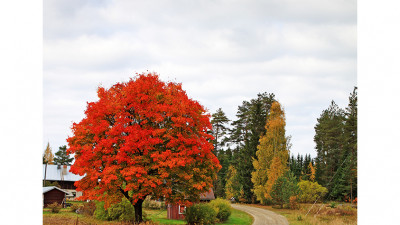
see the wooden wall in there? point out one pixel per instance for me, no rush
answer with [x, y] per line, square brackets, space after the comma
[53, 196]
[173, 212]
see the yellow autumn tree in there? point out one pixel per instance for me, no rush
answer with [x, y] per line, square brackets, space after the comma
[276, 170]
[312, 173]
[273, 147]
[48, 157]
[232, 187]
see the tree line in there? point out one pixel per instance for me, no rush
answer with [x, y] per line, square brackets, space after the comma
[254, 151]
[60, 158]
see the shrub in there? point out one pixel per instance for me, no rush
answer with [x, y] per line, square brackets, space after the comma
[55, 207]
[88, 208]
[222, 208]
[310, 191]
[49, 184]
[122, 211]
[100, 213]
[293, 202]
[73, 208]
[200, 214]
[284, 187]
[333, 205]
[151, 204]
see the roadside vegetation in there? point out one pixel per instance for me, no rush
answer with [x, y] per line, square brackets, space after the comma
[333, 213]
[88, 213]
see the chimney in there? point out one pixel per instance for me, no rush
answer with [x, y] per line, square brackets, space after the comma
[64, 170]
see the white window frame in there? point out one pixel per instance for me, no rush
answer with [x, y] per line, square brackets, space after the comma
[179, 210]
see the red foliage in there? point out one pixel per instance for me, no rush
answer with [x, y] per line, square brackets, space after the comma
[143, 137]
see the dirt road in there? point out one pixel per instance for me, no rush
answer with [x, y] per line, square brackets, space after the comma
[262, 216]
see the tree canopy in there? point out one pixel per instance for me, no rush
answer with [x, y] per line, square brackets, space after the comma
[143, 137]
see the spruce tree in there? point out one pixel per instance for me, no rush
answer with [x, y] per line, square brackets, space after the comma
[350, 134]
[62, 158]
[329, 141]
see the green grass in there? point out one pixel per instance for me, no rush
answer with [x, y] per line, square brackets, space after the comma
[239, 217]
[160, 216]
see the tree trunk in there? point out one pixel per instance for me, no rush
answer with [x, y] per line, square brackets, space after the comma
[138, 211]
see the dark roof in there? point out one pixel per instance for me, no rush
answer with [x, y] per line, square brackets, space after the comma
[207, 195]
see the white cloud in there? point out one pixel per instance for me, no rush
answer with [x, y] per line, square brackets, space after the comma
[223, 52]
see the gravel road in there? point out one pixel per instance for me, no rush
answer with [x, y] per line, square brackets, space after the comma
[262, 216]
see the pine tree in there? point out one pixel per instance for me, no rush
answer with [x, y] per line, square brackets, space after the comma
[219, 123]
[62, 158]
[273, 147]
[350, 133]
[48, 157]
[329, 141]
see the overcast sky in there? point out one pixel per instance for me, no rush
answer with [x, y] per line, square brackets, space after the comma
[223, 52]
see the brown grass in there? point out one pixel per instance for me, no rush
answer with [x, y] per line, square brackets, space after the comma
[319, 214]
[70, 218]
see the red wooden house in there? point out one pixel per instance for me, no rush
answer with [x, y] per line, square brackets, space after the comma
[177, 212]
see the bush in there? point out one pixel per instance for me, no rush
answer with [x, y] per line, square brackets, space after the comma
[122, 211]
[100, 213]
[151, 204]
[310, 191]
[55, 207]
[49, 184]
[88, 208]
[73, 208]
[223, 209]
[284, 187]
[200, 214]
[293, 202]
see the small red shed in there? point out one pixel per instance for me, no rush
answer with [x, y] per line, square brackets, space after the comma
[177, 212]
[53, 194]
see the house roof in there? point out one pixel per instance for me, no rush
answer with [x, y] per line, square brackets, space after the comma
[207, 195]
[56, 173]
[47, 189]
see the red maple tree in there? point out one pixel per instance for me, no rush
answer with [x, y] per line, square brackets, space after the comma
[143, 137]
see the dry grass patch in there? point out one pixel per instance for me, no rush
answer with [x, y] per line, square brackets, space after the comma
[319, 214]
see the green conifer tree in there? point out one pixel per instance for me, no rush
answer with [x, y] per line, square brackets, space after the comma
[62, 158]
